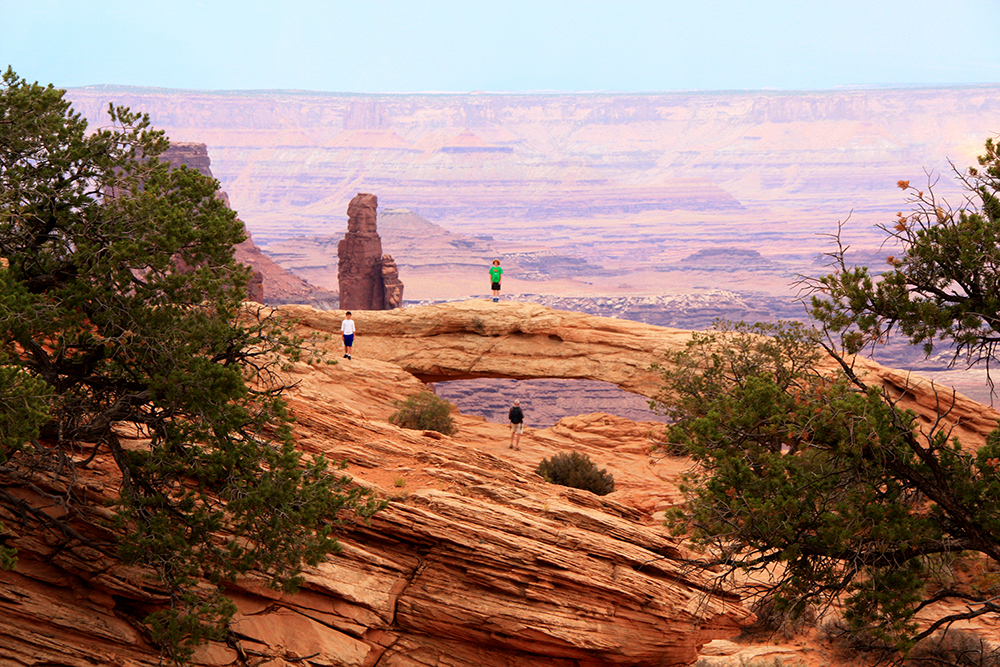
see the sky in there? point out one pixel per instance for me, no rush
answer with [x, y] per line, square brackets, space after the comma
[377, 46]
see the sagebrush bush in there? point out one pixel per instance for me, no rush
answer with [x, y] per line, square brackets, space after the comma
[857, 646]
[424, 412]
[959, 648]
[954, 648]
[578, 471]
[777, 619]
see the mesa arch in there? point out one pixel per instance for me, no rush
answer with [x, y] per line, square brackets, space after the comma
[522, 341]
[481, 339]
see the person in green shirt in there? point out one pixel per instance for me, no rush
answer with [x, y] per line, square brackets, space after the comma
[496, 273]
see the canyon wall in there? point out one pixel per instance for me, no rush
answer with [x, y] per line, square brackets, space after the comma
[269, 283]
[291, 160]
[627, 184]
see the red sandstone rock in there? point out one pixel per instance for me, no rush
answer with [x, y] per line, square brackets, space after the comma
[476, 562]
[393, 286]
[367, 280]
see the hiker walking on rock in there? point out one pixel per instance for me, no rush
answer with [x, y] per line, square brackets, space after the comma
[516, 417]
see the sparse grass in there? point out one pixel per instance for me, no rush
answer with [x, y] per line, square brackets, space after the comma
[399, 481]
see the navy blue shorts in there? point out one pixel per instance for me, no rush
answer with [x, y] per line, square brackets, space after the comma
[348, 340]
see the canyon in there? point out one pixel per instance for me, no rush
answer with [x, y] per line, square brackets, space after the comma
[630, 205]
[627, 184]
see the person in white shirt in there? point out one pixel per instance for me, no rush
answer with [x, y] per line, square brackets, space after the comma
[347, 328]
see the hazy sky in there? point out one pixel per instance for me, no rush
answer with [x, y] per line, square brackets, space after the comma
[500, 45]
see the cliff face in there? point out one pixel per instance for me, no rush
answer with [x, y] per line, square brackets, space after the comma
[269, 283]
[507, 156]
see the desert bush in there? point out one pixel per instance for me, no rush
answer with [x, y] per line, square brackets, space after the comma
[424, 412]
[951, 648]
[578, 471]
[954, 647]
[857, 646]
[778, 618]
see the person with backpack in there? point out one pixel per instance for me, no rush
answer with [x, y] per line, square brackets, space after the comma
[516, 417]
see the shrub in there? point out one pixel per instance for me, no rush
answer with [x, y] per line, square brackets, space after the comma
[424, 412]
[954, 647]
[778, 618]
[854, 645]
[578, 471]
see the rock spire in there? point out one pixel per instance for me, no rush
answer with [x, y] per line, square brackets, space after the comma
[368, 279]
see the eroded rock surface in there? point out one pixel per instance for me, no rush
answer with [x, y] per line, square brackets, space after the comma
[482, 339]
[392, 286]
[476, 561]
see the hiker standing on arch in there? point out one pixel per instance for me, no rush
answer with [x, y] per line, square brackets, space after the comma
[496, 274]
[347, 330]
[516, 417]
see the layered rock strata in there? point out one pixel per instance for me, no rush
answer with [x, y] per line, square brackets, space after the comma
[367, 279]
[269, 283]
[475, 562]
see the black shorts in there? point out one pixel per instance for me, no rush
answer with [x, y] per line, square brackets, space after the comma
[496, 286]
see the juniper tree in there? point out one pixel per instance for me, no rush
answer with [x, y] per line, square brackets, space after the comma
[124, 334]
[819, 481]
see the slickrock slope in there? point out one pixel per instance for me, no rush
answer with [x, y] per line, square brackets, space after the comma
[476, 561]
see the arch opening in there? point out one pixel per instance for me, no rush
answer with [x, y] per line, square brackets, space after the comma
[545, 401]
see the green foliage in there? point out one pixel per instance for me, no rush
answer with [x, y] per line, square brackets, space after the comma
[24, 406]
[941, 285]
[771, 361]
[578, 471]
[424, 412]
[820, 481]
[121, 312]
